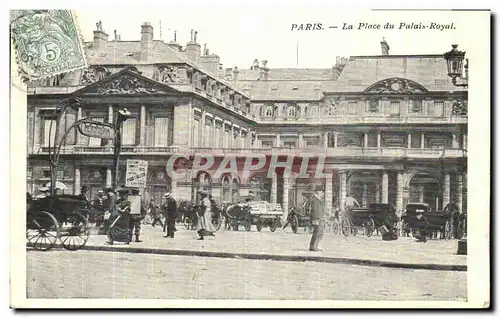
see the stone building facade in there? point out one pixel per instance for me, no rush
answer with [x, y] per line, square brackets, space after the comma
[389, 128]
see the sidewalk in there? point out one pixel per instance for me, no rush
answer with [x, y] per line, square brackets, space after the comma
[287, 246]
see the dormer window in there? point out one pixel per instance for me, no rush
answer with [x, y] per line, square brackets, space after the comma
[269, 111]
[292, 111]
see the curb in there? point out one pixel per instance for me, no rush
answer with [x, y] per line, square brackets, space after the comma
[272, 257]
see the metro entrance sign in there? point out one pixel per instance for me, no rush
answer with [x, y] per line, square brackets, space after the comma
[96, 129]
[137, 172]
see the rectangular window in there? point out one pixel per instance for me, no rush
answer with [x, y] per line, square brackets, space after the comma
[49, 134]
[394, 108]
[207, 135]
[290, 144]
[352, 108]
[267, 144]
[96, 142]
[196, 133]
[129, 132]
[161, 132]
[437, 110]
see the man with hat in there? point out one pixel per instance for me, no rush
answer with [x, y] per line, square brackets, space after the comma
[136, 216]
[317, 214]
[110, 208]
[169, 209]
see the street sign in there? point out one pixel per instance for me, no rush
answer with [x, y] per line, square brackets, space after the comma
[137, 173]
[95, 129]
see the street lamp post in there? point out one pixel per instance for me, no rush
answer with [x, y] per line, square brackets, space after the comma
[455, 61]
[122, 115]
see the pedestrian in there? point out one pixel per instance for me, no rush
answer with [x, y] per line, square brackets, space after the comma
[119, 228]
[204, 225]
[137, 214]
[44, 192]
[155, 213]
[317, 205]
[99, 207]
[170, 212]
[83, 193]
[110, 207]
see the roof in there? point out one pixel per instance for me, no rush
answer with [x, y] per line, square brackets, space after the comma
[358, 74]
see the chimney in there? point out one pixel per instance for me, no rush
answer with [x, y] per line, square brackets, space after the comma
[235, 73]
[146, 40]
[193, 49]
[100, 37]
[264, 71]
[343, 61]
[173, 44]
[337, 61]
[385, 47]
[210, 63]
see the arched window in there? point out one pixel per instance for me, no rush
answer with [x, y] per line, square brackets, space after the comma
[269, 111]
[292, 112]
[202, 182]
[230, 189]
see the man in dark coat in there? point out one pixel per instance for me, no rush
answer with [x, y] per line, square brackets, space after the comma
[110, 208]
[170, 211]
[317, 205]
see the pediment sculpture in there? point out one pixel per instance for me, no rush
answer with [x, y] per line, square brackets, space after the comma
[94, 74]
[128, 84]
[396, 86]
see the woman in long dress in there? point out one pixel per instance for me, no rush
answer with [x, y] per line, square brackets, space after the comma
[204, 226]
[120, 220]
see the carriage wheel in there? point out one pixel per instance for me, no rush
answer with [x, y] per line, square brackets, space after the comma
[335, 227]
[42, 230]
[448, 230]
[248, 226]
[259, 225]
[74, 232]
[345, 227]
[294, 223]
[369, 228]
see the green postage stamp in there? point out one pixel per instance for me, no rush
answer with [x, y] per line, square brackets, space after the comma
[47, 42]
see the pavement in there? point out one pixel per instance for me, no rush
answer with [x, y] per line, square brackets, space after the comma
[283, 245]
[96, 274]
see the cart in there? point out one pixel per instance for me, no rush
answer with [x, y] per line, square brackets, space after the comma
[57, 218]
[368, 219]
[418, 217]
[264, 214]
[299, 220]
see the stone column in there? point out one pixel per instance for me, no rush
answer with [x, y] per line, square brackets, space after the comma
[286, 189]
[201, 132]
[399, 194]
[377, 194]
[421, 193]
[278, 140]
[301, 140]
[454, 141]
[37, 129]
[446, 189]
[335, 139]
[385, 187]
[379, 139]
[173, 189]
[465, 141]
[364, 197]
[274, 188]
[422, 140]
[365, 141]
[325, 139]
[142, 126]
[460, 192]
[409, 140]
[77, 186]
[342, 189]
[78, 137]
[231, 137]
[110, 114]
[109, 178]
[328, 193]
[214, 135]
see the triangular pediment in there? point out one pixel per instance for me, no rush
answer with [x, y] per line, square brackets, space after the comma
[127, 82]
[395, 85]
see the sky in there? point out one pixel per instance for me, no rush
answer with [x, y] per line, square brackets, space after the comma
[241, 33]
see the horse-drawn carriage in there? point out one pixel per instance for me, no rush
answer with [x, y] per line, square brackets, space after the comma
[191, 212]
[261, 213]
[368, 219]
[58, 217]
[418, 217]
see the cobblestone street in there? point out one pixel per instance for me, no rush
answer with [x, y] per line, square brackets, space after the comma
[97, 274]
